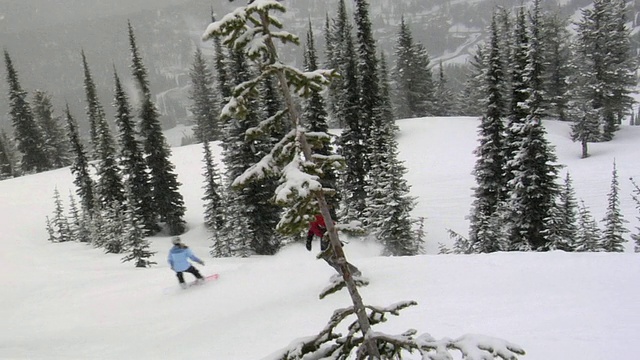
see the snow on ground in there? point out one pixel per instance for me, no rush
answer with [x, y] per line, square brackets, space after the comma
[70, 301]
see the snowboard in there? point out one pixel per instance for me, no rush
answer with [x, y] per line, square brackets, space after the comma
[207, 279]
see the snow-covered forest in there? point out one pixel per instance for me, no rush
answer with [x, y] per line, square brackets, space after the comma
[269, 162]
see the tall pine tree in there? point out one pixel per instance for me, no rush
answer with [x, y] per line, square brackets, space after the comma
[6, 157]
[613, 221]
[204, 100]
[315, 117]
[166, 199]
[636, 198]
[56, 144]
[369, 82]
[557, 59]
[95, 113]
[589, 235]
[132, 164]
[28, 135]
[531, 167]
[490, 163]
[443, 96]
[389, 204]
[561, 228]
[352, 139]
[603, 45]
[240, 152]
[213, 208]
[80, 166]
[133, 235]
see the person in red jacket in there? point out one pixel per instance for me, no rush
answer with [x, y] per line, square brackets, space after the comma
[318, 228]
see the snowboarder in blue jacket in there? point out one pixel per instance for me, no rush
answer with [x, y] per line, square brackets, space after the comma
[178, 258]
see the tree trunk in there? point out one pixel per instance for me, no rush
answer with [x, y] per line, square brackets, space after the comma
[294, 116]
[585, 149]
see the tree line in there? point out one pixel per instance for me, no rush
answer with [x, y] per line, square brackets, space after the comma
[125, 181]
[518, 203]
[526, 72]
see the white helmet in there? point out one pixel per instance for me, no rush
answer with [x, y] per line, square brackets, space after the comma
[176, 240]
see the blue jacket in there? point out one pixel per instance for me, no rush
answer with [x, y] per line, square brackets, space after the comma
[179, 258]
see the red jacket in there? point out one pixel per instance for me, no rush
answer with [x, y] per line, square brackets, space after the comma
[317, 227]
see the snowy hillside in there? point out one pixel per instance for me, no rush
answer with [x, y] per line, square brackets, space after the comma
[70, 301]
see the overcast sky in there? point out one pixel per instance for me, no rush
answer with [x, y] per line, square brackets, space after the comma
[20, 15]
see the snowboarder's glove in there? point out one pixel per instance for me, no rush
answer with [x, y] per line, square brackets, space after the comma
[309, 244]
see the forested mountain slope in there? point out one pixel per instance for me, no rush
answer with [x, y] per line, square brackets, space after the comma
[45, 38]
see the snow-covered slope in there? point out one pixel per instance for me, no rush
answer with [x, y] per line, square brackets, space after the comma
[70, 301]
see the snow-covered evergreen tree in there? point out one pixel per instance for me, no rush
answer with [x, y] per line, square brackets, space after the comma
[612, 236]
[50, 231]
[603, 46]
[557, 55]
[370, 100]
[215, 210]
[265, 213]
[213, 207]
[56, 144]
[520, 88]
[6, 157]
[204, 100]
[344, 103]
[387, 111]
[99, 129]
[389, 204]
[331, 62]
[109, 189]
[490, 163]
[414, 92]
[112, 227]
[584, 101]
[222, 77]
[240, 152]
[443, 96]
[533, 189]
[59, 222]
[343, 94]
[132, 164]
[561, 228]
[28, 135]
[471, 102]
[80, 166]
[505, 32]
[166, 199]
[636, 198]
[315, 118]
[588, 235]
[137, 244]
[531, 168]
[78, 226]
[586, 119]
[133, 235]
[95, 112]
[535, 68]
